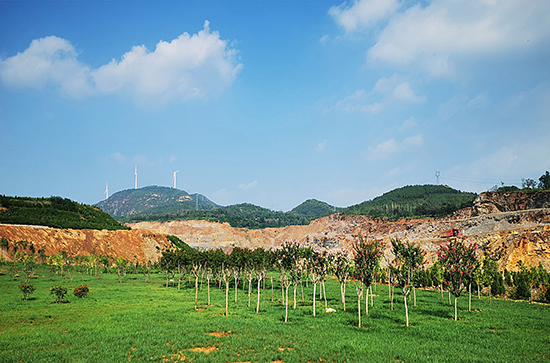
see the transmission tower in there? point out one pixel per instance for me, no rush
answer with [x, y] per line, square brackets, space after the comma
[437, 174]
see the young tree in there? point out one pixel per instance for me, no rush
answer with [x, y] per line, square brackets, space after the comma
[409, 258]
[341, 266]
[317, 265]
[27, 289]
[367, 254]
[121, 263]
[458, 260]
[288, 263]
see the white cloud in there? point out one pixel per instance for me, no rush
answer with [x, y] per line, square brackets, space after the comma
[362, 13]
[190, 66]
[408, 124]
[321, 146]
[49, 60]
[387, 92]
[249, 186]
[387, 148]
[187, 67]
[434, 37]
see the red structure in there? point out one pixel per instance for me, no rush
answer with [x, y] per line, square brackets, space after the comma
[453, 233]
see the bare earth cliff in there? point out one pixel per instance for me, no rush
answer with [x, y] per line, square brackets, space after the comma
[508, 227]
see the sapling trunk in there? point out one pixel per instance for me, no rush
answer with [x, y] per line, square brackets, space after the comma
[258, 304]
[414, 295]
[208, 288]
[271, 288]
[406, 309]
[295, 287]
[236, 285]
[314, 296]
[478, 292]
[456, 315]
[325, 295]
[367, 302]
[286, 305]
[470, 297]
[249, 291]
[196, 290]
[302, 288]
[226, 297]
[450, 298]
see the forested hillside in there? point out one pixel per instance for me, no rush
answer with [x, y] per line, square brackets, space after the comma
[313, 209]
[54, 212]
[240, 216]
[415, 201]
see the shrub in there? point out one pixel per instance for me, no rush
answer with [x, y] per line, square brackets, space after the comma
[58, 292]
[81, 291]
[521, 291]
[27, 289]
[497, 287]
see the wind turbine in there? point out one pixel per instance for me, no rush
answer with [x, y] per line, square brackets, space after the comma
[174, 178]
[135, 177]
[106, 191]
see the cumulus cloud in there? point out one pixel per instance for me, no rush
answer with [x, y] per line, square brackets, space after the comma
[387, 148]
[190, 66]
[386, 92]
[362, 13]
[439, 35]
[47, 60]
[435, 36]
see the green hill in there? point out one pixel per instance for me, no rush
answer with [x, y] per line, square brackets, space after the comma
[55, 212]
[240, 216]
[313, 209]
[153, 200]
[416, 201]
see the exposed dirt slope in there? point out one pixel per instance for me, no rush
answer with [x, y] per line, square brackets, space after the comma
[139, 244]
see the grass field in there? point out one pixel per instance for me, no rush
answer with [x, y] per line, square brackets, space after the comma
[147, 322]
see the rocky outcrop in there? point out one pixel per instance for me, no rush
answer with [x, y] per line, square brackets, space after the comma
[497, 202]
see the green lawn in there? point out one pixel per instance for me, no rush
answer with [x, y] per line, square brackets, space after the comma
[147, 322]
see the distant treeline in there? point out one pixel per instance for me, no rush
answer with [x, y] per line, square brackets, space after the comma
[55, 212]
[417, 201]
[238, 216]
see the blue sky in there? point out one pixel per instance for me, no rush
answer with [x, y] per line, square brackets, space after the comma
[272, 102]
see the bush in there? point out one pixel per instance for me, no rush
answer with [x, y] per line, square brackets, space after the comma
[58, 292]
[522, 291]
[81, 291]
[497, 287]
[26, 289]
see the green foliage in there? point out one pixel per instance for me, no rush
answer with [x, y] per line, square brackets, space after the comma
[497, 286]
[366, 256]
[544, 181]
[521, 287]
[459, 263]
[179, 243]
[55, 212]
[81, 291]
[313, 209]
[58, 292]
[414, 202]
[27, 289]
[239, 216]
